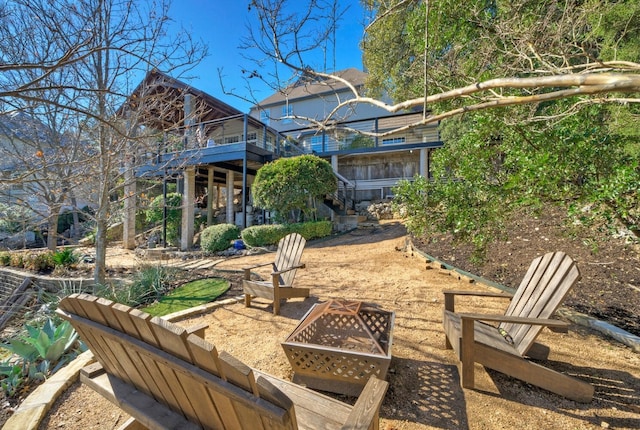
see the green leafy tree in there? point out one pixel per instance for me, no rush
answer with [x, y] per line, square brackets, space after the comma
[288, 185]
[537, 99]
[551, 146]
[490, 169]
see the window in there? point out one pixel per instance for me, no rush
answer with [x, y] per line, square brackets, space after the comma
[264, 117]
[232, 139]
[393, 140]
[252, 137]
[287, 111]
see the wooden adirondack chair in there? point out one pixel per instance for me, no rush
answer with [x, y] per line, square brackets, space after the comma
[285, 266]
[505, 348]
[166, 377]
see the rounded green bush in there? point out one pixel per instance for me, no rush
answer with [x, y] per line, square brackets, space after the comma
[218, 237]
[312, 230]
[264, 235]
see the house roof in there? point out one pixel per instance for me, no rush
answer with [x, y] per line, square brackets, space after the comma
[159, 103]
[308, 87]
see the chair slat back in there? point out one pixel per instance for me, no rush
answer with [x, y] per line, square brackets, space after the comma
[289, 254]
[180, 370]
[543, 288]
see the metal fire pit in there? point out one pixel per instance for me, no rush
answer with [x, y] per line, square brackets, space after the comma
[339, 345]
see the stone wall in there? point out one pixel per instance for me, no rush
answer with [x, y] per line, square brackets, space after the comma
[10, 279]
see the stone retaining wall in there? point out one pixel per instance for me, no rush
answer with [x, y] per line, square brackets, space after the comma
[11, 278]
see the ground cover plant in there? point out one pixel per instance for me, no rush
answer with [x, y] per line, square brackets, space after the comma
[188, 295]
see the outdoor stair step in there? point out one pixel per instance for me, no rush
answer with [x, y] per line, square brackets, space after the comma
[199, 264]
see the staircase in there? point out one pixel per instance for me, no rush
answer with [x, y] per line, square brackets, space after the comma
[342, 202]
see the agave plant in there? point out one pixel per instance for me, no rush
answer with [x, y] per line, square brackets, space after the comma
[40, 352]
[11, 378]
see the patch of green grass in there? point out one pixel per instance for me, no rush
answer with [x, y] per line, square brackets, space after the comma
[188, 295]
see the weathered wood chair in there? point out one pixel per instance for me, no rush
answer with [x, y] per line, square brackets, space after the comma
[167, 378]
[505, 348]
[285, 266]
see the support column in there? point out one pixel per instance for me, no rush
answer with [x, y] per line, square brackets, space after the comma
[188, 212]
[245, 194]
[334, 166]
[189, 120]
[210, 195]
[129, 222]
[334, 163]
[424, 162]
[230, 212]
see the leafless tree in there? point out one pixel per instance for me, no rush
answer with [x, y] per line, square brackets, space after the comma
[93, 52]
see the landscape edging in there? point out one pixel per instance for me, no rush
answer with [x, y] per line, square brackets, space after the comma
[618, 334]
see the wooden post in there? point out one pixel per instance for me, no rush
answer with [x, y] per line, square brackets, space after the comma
[210, 174]
[466, 352]
[188, 212]
[230, 212]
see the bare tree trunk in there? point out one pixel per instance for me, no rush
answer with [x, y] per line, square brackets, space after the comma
[52, 236]
[76, 218]
[99, 271]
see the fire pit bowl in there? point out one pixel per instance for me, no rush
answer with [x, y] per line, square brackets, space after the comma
[338, 345]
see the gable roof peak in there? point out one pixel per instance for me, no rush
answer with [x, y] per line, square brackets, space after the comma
[309, 84]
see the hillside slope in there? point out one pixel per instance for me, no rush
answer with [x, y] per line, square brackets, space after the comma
[610, 265]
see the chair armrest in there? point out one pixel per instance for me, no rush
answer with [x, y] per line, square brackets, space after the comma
[476, 293]
[551, 323]
[247, 270]
[364, 414]
[198, 329]
[449, 296]
[256, 265]
[279, 272]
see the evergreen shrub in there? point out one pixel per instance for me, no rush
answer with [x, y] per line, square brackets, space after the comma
[267, 235]
[218, 237]
[264, 235]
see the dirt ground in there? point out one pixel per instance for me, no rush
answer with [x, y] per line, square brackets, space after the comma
[609, 263]
[424, 392]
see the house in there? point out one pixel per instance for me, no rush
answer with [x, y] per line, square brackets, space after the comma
[213, 151]
[208, 148]
[371, 165]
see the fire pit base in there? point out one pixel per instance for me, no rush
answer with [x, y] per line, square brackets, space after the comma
[339, 345]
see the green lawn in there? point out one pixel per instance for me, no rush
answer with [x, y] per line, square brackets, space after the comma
[188, 295]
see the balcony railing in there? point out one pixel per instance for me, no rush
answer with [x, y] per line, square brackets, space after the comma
[198, 139]
[369, 133]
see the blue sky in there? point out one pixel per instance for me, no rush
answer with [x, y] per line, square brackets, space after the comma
[222, 23]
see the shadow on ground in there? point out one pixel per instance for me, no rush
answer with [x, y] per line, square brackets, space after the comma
[436, 397]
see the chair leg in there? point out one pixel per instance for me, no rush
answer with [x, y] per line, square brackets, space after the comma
[467, 353]
[275, 281]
